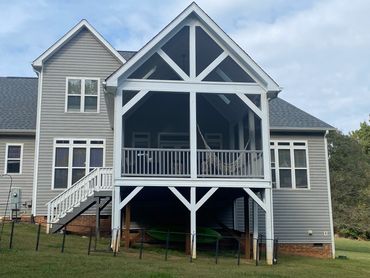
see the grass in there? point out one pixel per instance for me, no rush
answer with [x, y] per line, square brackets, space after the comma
[24, 261]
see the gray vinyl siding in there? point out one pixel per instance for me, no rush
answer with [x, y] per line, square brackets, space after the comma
[25, 179]
[82, 56]
[300, 210]
[296, 211]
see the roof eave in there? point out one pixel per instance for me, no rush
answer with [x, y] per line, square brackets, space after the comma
[17, 131]
[38, 62]
[271, 85]
[301, 129]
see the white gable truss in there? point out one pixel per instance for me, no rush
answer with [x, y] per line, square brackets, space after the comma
[193, 16]
[68, 36]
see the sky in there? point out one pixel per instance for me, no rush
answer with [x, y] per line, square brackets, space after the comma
[317, 51]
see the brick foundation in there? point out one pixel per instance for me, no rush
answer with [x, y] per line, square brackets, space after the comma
[83, 224]
[306, 249]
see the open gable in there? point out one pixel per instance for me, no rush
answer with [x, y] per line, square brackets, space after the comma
[83, 24]
[193, 48]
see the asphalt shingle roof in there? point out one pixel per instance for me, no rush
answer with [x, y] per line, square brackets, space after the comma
[286, 116]
[18, 103]
[18, 107]
[127, 55]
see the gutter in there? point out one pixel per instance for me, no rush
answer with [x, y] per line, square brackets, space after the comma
[329, 196]
[17, 131]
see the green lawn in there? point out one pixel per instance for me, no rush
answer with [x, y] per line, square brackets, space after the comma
[23, 261]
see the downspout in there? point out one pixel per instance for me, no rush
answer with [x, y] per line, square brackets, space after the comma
[329, 196]
[39, 73]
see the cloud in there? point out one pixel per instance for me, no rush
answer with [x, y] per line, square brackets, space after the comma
[319, 56]
[316, 50]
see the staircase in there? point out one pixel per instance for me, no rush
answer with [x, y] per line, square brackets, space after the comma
[78, 198]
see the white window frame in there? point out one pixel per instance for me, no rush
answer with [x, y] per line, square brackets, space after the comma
[82, 95]
[70, 145]
[274, 146]
[134, 139]
[176, 143]
[7, 145]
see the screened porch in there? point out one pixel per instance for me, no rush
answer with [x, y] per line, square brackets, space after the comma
[156, 141]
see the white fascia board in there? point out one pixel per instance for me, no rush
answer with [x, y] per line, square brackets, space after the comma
[208, 22]
[186, 182]
[68, 36]
[271, 84]
[113, 79]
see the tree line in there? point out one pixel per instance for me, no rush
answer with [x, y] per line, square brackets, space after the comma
[349, 161]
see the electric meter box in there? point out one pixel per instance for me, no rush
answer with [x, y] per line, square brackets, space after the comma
[15, 198]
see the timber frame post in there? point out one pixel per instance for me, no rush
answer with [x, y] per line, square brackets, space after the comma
[267, 175]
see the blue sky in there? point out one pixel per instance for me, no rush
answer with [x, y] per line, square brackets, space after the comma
[318, 51]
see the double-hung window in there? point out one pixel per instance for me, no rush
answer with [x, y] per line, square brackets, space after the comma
[75, 158]
[13, 158]
[289, 164]
[82, 94]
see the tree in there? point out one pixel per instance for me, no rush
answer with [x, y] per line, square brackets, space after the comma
[362, 136]
[350, 185]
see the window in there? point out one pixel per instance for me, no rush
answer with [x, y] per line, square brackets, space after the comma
[289, 164]
[82, 94]
[13, 158]
[141, 140]
[73, 159]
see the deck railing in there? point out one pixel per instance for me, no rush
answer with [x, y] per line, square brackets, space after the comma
[151, 162]
[229, 163]
[99, 179]
[156, 162]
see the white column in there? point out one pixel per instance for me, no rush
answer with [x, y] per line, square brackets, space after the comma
[193, 223]
[117, 159]
[267, 176]
[193, 134]
[269, 227]
[255, 229]
[192, 52]
[116, 218]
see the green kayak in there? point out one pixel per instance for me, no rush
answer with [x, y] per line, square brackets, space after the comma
[177, 234]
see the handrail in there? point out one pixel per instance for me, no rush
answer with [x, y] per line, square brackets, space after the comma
[97, 180]
[211, 163]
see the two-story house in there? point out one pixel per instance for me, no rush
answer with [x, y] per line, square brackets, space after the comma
[187, 131]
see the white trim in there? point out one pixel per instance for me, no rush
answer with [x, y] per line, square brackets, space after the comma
[329, 197]
[172, 64]
[131, 103]
[193, 134]
[82, 95]
[291, 147]
[68, 36]
[255, 198]
[199, 87]
[205, 197]
[250, 104]
[185, 182]
[129, 197]
[180, 197]
[71, 145]
[7, 145]
[37, 142]
[192, 51]
[211, 66]
[208, 23]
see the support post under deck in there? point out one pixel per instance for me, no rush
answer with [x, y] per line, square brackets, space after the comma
[193, 223]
